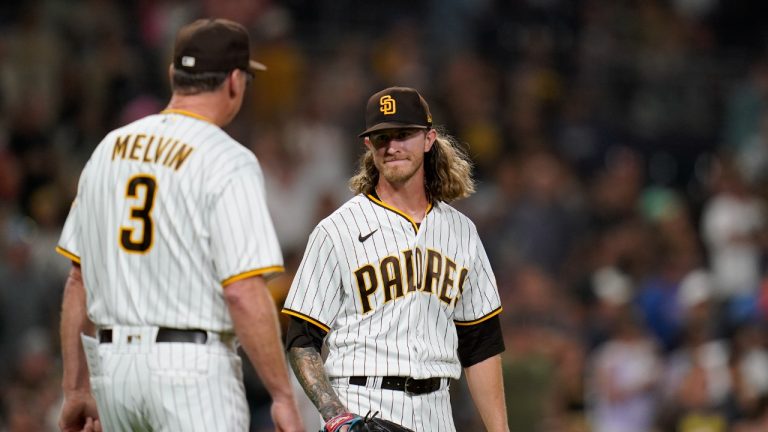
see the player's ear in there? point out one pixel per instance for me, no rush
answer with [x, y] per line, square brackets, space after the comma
[367, 142]
[431, 136]
[170, 72]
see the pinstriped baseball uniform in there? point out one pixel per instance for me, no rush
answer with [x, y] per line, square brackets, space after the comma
[390, 293]
[169, 209]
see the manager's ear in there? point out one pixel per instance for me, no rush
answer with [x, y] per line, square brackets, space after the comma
[232, 83]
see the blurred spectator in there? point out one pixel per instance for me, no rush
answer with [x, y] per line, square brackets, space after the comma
[676, 255]
[25, 291]
[749, 370]
[669, 215]
[733, 227]
[659, 300]
[490, 205]
[286, 175]
[544, 358]
[33, 59]
[747, 103]
[699, 304]
[321, 146]
[279, 93]
[580, 138]
[616, 188]
[469, 87]
[697, 381]
[752, 157]
[32, 396]
[45, 205]
[541, 225]
[398, 56]
[757, 422]
[611, 292]
[10, 177]
[624, 376]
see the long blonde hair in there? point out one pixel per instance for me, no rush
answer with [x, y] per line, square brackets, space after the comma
[447, 170]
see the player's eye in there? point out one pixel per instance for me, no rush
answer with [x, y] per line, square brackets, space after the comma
[380, 139]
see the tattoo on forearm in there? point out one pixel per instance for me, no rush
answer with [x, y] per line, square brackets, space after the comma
[308, 366]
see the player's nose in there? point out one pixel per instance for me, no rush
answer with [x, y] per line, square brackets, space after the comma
[395, 145]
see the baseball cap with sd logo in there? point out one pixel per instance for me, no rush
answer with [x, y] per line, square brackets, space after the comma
[394, 108]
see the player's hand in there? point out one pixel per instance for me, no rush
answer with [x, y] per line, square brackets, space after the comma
[343, 423]
[285, 415]
[92, 425]
[79, 413]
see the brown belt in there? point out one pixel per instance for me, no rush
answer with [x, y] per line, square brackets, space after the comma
[406, 384]
[165, 334]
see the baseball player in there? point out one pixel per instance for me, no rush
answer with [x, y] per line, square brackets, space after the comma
[398, 286]
[172, 242]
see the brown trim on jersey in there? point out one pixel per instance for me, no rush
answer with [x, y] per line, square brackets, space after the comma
[186, 113]
[478, 321]
[381, 203]
[250, 273]
[68, 254]
[300, 315]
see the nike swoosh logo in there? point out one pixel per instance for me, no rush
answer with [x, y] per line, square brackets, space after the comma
[363, 238]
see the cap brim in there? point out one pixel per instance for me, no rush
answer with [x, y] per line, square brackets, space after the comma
[254, 66]
[382, 126]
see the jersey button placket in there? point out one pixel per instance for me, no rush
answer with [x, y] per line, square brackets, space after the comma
[416, 303]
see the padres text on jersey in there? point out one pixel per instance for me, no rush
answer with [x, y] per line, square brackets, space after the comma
[409, 286]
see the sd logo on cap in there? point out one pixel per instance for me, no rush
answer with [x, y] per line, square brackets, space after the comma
[394, 108]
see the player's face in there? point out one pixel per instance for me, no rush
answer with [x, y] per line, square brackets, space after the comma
[399, 153]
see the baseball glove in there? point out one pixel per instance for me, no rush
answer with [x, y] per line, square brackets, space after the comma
[369, 423]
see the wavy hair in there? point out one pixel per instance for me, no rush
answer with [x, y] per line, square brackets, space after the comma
[447, 170]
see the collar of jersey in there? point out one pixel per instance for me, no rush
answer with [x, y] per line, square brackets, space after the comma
[398, 211]
[186, 113]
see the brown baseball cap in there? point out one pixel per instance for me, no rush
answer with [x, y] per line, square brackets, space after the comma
[214, 45]
[394, 108]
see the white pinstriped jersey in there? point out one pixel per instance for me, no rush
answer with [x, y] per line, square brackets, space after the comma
[169, 209]
[390, 292]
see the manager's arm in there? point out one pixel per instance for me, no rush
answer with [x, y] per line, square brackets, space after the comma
[255, 319]
[79, 409]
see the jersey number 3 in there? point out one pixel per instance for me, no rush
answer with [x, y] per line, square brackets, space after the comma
[142, 213]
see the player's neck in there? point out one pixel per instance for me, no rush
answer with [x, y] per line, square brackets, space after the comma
[409, 197]
[206, 105]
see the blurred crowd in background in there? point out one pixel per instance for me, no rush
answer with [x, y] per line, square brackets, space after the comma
[621, 151]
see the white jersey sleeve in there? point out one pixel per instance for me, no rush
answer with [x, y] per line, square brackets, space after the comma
[480, 297]
[68, 245]
[238, 253]
[315, 293]
[69, 240]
